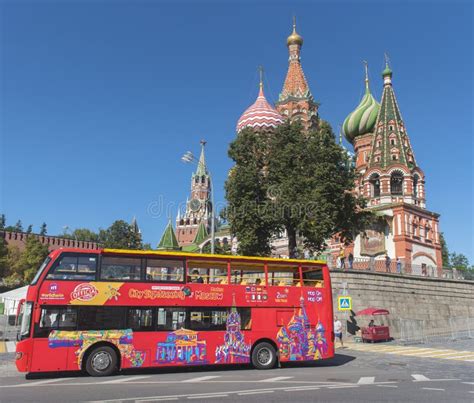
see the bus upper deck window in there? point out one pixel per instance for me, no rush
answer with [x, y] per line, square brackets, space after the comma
[74, 267]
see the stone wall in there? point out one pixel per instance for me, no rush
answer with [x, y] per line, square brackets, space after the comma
[435, 304]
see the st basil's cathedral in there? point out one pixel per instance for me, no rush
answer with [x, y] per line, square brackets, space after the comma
[388, 175]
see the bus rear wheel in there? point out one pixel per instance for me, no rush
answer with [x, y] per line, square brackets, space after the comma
[264, 356]
[102, 361]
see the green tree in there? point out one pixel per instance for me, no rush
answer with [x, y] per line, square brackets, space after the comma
[3, 259]
[459, 261]
[19, 226]
[147, 246]
[24, 265]
[3, 221]
[444, 250]
[29, 230]
[120, 235]
[84, 234]
[247, 195]
[219, 249]
[312, 178]
[43, 229]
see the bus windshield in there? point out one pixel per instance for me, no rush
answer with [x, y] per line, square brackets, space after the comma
[40, 270]
[25, 313]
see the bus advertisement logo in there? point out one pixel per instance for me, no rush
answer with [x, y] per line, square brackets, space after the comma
[84, 292]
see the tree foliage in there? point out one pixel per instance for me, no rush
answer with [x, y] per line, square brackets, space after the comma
[444, 250]
[43, 229]
[24, 265]
[293, 181]
[246, 192]
[120, 235]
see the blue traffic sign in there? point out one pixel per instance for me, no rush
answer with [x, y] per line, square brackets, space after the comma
[344, 303]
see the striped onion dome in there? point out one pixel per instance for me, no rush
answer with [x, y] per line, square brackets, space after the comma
[362, 119]
[260, 116]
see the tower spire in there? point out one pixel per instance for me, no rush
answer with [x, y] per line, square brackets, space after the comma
[366, 67]
[202, 168]
[260, 72]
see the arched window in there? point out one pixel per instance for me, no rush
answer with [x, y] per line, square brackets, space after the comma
[415, 186]
[396, 183]
[196, 179]
[203, 179]
[375, 183]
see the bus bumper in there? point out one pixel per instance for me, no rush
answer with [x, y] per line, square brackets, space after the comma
[22, 356]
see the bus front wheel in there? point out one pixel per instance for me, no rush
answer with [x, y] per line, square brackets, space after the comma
[102, 361]
[264, 356]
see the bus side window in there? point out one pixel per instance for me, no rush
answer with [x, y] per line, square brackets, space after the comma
[74, 267]
[54, 318]
[120, 268]
[160, 270]
[140, 319]
[171, 318]
[245, 318]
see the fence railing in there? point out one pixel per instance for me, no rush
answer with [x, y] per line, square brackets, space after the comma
[393, 266]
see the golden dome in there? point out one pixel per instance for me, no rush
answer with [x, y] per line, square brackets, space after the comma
[294, 38]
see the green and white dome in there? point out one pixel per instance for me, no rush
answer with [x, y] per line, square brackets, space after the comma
[362, 119]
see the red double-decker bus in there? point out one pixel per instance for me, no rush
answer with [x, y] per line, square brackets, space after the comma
[106, 310]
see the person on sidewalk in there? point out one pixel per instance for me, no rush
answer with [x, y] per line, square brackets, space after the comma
[350, 259]
[342, 258]
[399, 266]
[388, 262]
[338, 330]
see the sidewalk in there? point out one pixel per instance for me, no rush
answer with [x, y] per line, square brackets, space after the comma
[7, 347]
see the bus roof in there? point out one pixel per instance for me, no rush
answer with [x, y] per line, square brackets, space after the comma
[209, 256]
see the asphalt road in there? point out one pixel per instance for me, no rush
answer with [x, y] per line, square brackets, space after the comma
[351, 376]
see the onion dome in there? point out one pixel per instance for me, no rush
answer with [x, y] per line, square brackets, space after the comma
[362, 119]
[260, 116]
[294, 38]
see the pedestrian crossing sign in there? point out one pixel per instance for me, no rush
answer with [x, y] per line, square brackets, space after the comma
[344, 303]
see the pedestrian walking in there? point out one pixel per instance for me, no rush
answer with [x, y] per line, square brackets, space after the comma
[342, 258]
[388, 262]
[338, 330]
[350, 259]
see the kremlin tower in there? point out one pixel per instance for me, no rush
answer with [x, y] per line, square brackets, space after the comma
[197, 217]
[391, 181]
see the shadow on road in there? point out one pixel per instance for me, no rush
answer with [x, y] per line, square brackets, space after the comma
[336, 361]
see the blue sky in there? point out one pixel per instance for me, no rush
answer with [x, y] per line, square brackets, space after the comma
[99, 100]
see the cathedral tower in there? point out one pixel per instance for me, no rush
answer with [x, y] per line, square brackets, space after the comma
[296, 101]
[391, 181]
[199, 207]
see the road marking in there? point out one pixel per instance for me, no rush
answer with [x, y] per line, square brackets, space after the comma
[206, 396]
[31, 384]
[469, 383]
[300, 389]
[156, 399]
[433, 389]
[201, 378]
[420, 378]
[278, 378]
[366, 380]
[255, 393]
[387, 386]
[343, 386]
[460, 357]
[11, 346]
[3, 347]
[122, 379]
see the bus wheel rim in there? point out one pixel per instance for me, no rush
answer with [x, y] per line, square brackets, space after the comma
[101, 361]
[264, 356]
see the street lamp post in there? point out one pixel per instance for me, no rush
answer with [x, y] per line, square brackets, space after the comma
[187, 158]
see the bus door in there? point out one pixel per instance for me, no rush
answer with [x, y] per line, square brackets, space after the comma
[50, 351]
